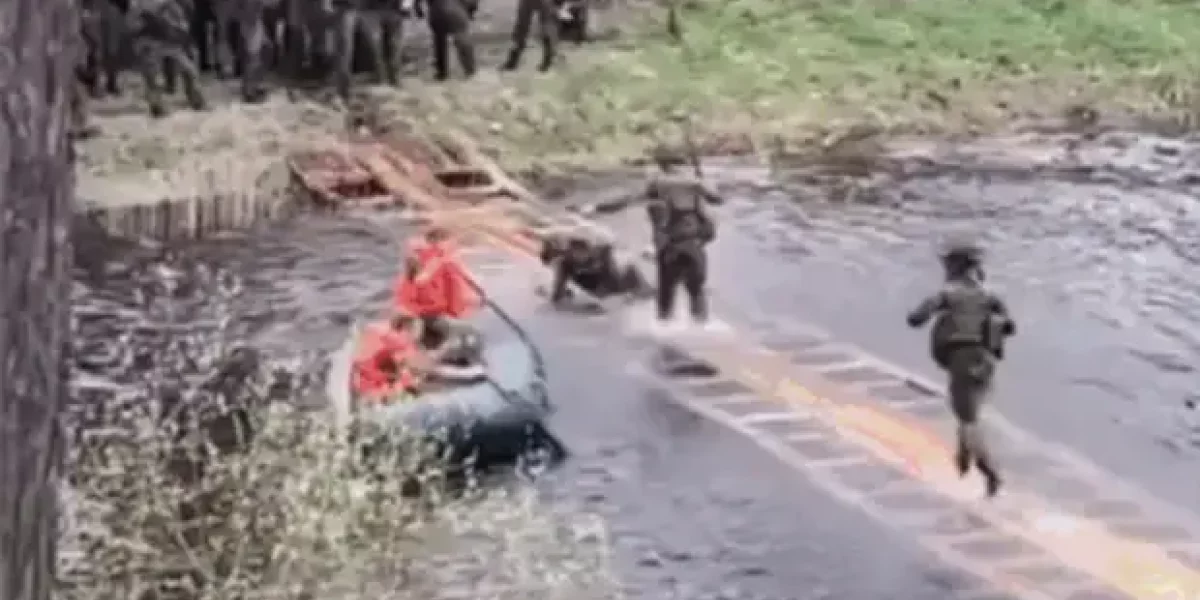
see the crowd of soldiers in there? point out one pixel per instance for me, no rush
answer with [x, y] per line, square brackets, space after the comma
[296, 41]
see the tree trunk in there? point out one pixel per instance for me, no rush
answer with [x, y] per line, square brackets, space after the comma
[39, 45]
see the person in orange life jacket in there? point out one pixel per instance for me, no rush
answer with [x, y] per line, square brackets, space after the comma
[385, 362]
[433, 284]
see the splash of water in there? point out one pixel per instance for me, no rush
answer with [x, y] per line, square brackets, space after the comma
[641, 320]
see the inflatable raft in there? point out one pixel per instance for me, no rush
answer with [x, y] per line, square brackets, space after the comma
[487, 415]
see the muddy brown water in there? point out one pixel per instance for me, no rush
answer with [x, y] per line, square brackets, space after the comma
[1094, 247]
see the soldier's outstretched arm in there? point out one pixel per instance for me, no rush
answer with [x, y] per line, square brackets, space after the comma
[926, 309]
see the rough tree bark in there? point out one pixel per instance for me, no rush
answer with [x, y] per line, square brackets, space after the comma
[39, 43]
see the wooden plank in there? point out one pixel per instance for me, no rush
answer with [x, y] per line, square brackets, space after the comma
[390, 179]
[469, 153]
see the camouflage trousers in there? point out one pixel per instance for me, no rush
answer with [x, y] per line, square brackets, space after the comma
[971, 369]
[157, 57]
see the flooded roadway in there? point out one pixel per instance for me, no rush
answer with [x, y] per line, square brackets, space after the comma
[696, 511]
[1096, 255]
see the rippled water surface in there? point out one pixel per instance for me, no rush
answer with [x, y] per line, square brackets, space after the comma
[1095, 249]
[1096, 260]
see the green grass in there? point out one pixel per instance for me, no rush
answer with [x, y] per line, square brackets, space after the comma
[790, 73]
[800, 70]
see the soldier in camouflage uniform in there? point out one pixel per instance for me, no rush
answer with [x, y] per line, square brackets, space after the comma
[966, 341]
[241, 29]
[162, 45]
[682, 232]
[310, 38]
[105, 38]
[548, 24]
[382, 24]
[450, 22]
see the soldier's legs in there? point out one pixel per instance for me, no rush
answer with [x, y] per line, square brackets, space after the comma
[670, 276]
[149, 61]
[971, 373]
[112, 42]
[520, 33]
[389, 43]
[441, 51]
[548, 23]
[344, 72]
[170, 78]
[254, 41]
[182, 65]
[465, 49]
[372, 35]
[451, 23]
[695, 276]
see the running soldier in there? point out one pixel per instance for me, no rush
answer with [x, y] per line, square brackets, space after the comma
[966, 341]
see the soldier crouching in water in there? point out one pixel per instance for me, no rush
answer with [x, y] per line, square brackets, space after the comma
[592, 266]
[966, 341]
[682, 232]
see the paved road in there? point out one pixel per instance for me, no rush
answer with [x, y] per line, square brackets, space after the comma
[858, 428]
[697, 510]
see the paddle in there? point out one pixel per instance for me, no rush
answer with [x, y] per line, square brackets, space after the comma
[539, 363]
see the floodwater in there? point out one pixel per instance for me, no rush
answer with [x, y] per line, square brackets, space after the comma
[1095, 257]
[1094, 246]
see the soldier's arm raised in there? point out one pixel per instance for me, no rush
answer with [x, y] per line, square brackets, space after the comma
[926, 309]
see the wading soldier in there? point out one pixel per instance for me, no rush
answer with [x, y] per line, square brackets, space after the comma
[966, 341]
[682, 232]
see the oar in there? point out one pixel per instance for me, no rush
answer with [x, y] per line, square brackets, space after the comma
[539, 361]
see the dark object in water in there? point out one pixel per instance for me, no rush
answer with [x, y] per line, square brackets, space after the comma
[473, 425]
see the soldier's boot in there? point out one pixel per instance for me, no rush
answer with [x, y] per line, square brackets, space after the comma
[195, 98]
[549, 53]
[513, 61]
[158, 109]
[992, 479]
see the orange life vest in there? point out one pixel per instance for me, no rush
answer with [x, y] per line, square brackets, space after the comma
[440, 286]
[378, 346]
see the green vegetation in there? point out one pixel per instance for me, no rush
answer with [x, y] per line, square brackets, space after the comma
[795, 71]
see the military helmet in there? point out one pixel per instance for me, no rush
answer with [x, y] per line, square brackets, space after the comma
[961, 252]
[667, 158]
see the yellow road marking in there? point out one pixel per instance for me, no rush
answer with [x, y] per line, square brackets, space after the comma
[1140, 570]
[1137, 569]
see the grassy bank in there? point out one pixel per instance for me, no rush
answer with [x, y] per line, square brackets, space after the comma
[800, 70]
[753, 73]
